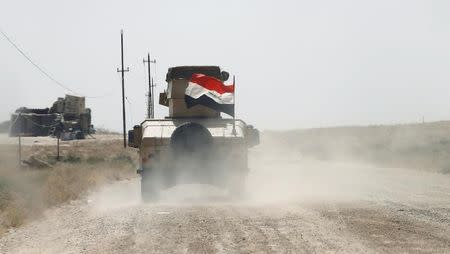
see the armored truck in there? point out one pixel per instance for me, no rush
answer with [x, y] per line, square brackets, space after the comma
[68, 118]
[191, 145]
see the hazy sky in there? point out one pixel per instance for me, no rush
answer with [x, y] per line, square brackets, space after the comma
[298, 63]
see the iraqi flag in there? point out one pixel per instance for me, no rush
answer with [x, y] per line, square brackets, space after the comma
[210, 92]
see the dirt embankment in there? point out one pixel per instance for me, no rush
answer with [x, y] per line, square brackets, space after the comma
[42, 181]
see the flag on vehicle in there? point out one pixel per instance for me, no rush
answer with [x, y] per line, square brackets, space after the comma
[210, 92]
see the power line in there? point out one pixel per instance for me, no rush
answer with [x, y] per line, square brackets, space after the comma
[36, 65]
[46, 73]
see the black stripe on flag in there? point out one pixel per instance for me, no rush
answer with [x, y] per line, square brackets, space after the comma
[210, 103]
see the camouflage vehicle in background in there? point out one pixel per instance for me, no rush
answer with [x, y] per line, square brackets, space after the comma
[191, 145]
[67, 118]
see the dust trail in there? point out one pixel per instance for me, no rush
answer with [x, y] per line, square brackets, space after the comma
[276, 176]
[293, 205]
[283, 177]
[269, 181]
[116, 196]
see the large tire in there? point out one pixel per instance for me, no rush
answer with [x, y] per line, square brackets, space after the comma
[191, 139]
[191, 147]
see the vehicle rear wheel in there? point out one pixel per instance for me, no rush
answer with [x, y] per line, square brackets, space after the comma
[149, 193]
[236, 185]
[150, 186]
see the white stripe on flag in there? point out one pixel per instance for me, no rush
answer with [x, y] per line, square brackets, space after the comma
[195, 90]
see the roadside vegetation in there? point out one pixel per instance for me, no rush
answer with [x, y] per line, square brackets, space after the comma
[43, 181]
[423, 146]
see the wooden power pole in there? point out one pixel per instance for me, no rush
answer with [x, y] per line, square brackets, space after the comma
[122, 70]
[150, 105]
[20, 138]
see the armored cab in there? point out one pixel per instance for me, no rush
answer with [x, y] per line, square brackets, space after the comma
[191, 145]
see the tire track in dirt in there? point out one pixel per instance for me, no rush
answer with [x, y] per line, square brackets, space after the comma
[387, 230]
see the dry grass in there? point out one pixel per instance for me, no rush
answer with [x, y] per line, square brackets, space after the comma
[84, 165]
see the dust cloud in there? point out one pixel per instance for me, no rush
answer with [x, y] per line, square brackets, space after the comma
[294, 203]
[279, 175]
[336, 165]
[274, 177]
[361, 164]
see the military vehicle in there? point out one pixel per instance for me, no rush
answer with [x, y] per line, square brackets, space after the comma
[191, 145]
[68, 118]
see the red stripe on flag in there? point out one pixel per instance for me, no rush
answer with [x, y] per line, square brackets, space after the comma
[211, 83]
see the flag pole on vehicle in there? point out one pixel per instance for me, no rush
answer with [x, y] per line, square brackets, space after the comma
[234, 107]
[211, 92]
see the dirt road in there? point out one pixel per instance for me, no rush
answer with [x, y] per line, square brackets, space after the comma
[293, 206]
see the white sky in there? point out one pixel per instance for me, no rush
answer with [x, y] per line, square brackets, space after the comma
[298, 63]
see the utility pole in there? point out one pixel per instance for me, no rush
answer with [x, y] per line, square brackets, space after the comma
[123, 91]
[150, 106]
[57, 148]
[20, 138]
